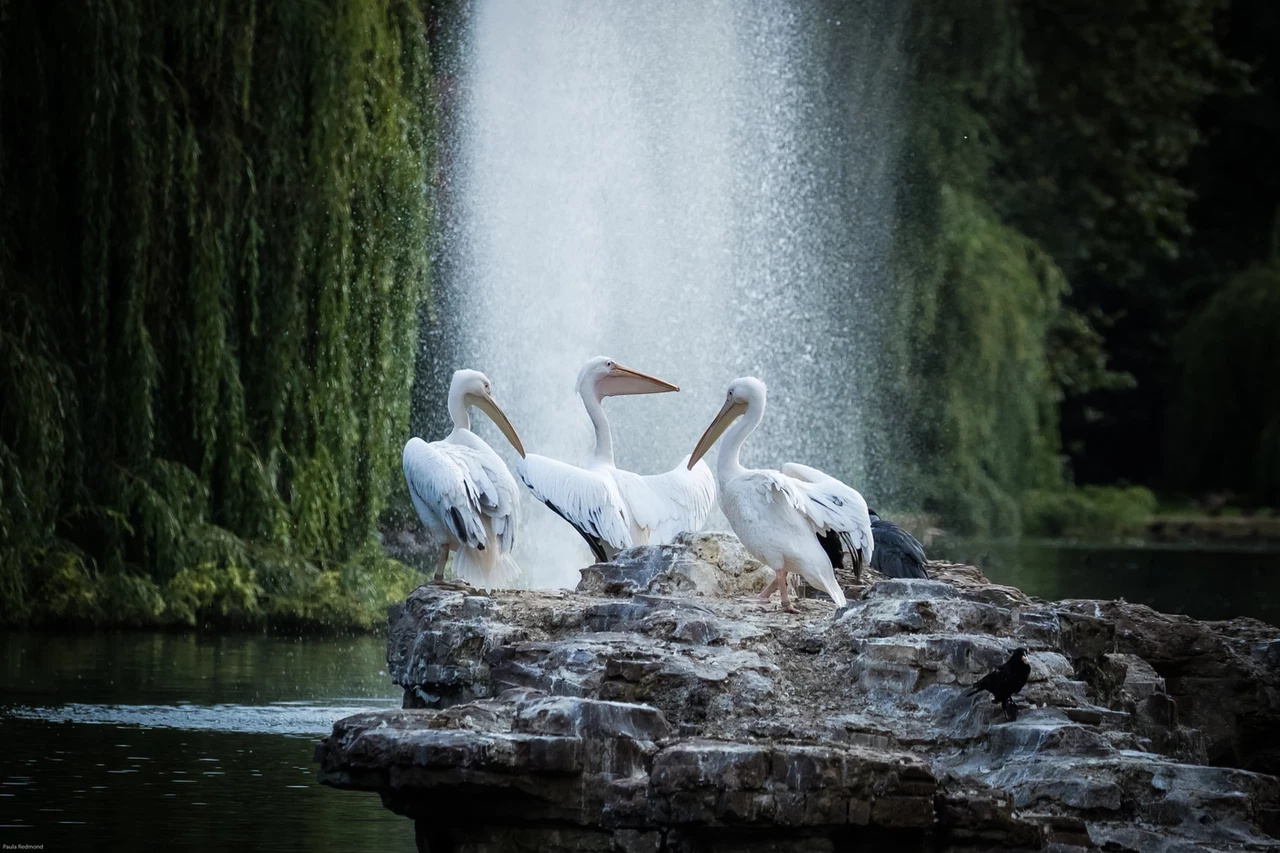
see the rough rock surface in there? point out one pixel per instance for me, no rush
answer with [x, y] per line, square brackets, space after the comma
[658, 708]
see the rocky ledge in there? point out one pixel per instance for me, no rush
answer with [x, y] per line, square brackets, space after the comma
[657, 708]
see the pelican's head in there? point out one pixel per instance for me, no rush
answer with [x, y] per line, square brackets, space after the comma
[742, 393]
[604, 377]
[474, 388]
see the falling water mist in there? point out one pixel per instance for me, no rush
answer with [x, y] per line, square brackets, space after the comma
[702, 191]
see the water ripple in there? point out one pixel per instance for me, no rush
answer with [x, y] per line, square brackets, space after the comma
[281, 718]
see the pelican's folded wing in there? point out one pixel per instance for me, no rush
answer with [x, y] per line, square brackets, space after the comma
[440, 484]
[499, 494]
[833, 506]
[587, 500]
[671, 503]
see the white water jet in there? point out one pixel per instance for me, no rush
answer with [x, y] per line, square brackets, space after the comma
[699, 190]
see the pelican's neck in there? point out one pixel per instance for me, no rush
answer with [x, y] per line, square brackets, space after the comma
[602, 454]
[729, 465]
[458, 408]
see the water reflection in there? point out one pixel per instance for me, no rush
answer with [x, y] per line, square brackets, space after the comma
[164, 741]
[1199, 581]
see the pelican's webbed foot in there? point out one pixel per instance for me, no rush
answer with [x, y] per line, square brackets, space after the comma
[456, 584]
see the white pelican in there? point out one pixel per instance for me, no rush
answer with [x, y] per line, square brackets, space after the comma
[793, 520]
[611, 508]
[464, 493]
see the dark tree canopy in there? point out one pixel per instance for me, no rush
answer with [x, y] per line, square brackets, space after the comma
[1225, 419]
[1047, 196]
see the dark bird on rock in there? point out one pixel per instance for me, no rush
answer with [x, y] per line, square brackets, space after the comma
[1006, 680]
[897, 554]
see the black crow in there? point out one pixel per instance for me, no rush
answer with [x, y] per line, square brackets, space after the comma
[1005, 680]
[897, 554]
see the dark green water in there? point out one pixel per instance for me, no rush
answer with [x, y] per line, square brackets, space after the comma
[137, 741]
[174, 742]
[1204, 582]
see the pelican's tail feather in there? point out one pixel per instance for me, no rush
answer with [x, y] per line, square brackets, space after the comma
[825, 580]
[487, 569]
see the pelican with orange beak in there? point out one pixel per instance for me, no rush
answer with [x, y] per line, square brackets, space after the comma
[610, 508]
[464, 494]
[794, 520]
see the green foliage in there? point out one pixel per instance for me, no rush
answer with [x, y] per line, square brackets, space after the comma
[977, 302]
[1225, 424]
[1043, 155]
[1089, 510]
[230, 592]
[980, 366]
[214, 227]
[1096, 135]
[1104, 164]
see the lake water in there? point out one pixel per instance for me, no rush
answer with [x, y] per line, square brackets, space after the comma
[1207, 582]
[142, 741]
[150, 741]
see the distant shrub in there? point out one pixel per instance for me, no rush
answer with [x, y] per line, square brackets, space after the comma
[208, 592]
[1096, 510]
[1225, 428]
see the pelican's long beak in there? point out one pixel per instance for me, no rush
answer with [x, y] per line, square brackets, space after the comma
[488, 405]
[621, 381]
[731, 409]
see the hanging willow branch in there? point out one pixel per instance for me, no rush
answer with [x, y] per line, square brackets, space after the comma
[215, 216]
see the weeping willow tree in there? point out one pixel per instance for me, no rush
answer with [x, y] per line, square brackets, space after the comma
[977, 304]
[214, 220]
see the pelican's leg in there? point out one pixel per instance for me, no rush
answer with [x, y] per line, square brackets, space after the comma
[773, 584]
[787, 607]
[444, 558]
[457, 583]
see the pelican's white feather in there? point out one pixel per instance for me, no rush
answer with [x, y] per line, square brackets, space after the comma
[499, 493]
[770, 513]
[834, 506]
[589, 500]
[614, 509]
[464, 494]
[665, 505]
[444, 492]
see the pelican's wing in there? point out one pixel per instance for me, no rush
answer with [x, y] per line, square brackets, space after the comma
[438, 475]
[833, 507]
[586, 499]
[898, 553]
[669, 504]
[499, 494]
[773, 485]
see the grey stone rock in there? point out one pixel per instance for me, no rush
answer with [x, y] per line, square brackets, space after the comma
[657, 709]
[1222, 688]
